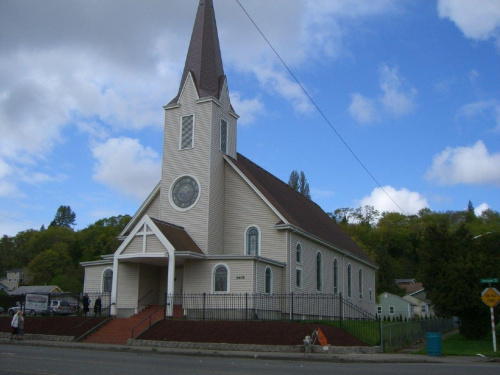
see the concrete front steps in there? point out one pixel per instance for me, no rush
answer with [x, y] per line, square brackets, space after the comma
[119, 330]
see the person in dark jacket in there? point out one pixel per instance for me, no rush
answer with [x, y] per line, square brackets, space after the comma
[85, 303]
[97, 306]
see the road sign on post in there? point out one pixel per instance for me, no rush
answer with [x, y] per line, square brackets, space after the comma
[491, 297]
[488, 281]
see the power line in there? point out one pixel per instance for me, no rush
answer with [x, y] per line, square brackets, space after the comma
[319, 110]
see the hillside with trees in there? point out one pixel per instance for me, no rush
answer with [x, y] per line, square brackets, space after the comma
[449, 252]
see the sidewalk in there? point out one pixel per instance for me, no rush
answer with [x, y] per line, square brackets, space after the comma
[317, 357]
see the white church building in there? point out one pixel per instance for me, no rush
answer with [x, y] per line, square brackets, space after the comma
[217, 223]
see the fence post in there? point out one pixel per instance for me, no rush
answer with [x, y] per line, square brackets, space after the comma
[246, 306]
[341, 308]
[203, 311]
[381, 329]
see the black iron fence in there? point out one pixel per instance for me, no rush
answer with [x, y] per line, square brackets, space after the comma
[330, 309]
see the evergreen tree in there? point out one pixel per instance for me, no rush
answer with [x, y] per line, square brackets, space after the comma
[65, 217]
[298, 182]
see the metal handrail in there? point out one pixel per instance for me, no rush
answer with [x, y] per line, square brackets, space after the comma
[149, 317]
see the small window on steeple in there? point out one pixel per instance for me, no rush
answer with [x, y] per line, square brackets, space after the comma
[187, 130]
[223, 136]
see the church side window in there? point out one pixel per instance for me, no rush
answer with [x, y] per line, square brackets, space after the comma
[360, 281]
[187, 130]
[221, 279]
[298, 278]
[298, 254]
[252, 241]
[335, 276]
[268, 289]
[319, 272]
[349, 281]
[107, 281]
[223, 136]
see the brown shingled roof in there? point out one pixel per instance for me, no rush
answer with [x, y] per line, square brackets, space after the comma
[177, 236]
[298, 210]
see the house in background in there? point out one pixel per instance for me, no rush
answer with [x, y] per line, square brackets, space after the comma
[15, 278]
[391, 306]
[415, 293]
[218, 223]
[36, 289]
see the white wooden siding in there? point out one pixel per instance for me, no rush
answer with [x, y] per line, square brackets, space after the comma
[245, 208]
[198, 276]
[277, 276]
[135, 246]
[195, 161]
[93, 277]
[153, 245]
[153, 210]
[128, 285]
[308, 266]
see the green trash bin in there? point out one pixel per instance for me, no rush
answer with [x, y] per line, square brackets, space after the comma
[434, 343]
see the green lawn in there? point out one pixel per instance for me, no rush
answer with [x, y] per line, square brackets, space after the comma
[457, 345]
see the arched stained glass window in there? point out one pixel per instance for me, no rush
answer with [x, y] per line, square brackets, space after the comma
[220, 279]
[335, 276]
[319, 272]
[269, 281]
[107, 280]
[253, 241]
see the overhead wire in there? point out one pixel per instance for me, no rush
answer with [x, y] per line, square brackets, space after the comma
[319, 109]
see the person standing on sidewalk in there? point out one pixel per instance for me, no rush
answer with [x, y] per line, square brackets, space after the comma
[15, 325]
[97, 306]
[85, 303]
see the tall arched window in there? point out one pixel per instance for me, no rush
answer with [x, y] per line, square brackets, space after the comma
[107, 280]
[252, 240]
[298, 254]
[268, 288]
[335, 276]
[221, 279]
[360, 281]
[349, 281]
[319, 272]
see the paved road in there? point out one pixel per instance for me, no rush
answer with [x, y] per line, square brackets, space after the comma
[38, 360]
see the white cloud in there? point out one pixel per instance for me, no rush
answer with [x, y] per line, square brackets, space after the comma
[363, 109]
[485, 110]
[411, 202]
[247, 109]
[481, 208]
[397, 99]
[465, 165]
[478, 20]
[126, 166]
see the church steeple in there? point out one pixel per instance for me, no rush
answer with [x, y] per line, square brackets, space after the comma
[204, 59]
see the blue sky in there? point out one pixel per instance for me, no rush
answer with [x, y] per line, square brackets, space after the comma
[411, 86]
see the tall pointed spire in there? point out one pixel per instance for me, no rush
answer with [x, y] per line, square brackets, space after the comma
[204, 59]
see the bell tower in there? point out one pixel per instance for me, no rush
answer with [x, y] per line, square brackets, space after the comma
[200, 128]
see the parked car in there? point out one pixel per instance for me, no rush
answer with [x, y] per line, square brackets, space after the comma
[13, 310]
[60, 307]
[1, 310]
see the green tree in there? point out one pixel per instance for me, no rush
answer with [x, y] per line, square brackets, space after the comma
[298, 182]
[65, 217]
[51, 263]
[451, 266]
